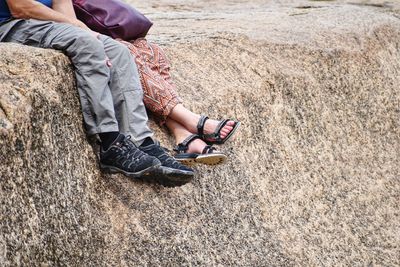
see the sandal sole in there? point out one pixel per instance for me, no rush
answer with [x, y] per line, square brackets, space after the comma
[215, 159]
[212, 160]
[187, 161]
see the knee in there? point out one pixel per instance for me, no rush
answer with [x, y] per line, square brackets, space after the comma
[88, 43]
[121, 56]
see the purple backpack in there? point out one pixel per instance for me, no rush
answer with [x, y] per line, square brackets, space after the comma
[113, 18]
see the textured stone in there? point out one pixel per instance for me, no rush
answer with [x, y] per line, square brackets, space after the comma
[313, 175]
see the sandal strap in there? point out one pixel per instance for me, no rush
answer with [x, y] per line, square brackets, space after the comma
[216, 134]
[208, 149]
[184, 145]
[200, 125]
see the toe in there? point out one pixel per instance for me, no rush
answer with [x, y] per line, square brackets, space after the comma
[228, 128]
[230, 123]
[225, 131]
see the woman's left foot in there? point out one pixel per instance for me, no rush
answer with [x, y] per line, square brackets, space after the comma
[194, 150]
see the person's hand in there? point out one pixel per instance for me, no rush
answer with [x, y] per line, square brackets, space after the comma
[79, 24]
[82, 25]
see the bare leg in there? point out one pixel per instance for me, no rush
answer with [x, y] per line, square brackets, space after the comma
[180, 132]
[189, 120]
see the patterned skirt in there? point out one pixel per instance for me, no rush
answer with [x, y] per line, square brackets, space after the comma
[159, 90]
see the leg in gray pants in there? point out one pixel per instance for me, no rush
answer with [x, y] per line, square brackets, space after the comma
[111, 97]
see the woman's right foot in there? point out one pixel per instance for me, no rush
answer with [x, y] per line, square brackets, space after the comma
[190, 121]
[211, 125]
[216, 132]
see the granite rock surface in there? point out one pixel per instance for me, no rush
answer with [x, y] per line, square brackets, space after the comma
[313, 177]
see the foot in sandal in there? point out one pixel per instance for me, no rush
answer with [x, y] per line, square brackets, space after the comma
[216, 132]
[193, 150]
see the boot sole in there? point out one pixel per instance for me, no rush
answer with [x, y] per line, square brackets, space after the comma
[146, 172]
[170, 177]
[176, 174]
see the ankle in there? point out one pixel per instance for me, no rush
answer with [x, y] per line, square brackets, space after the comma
[180, 136]
[196, 146]
[107, 139]
[192, 123]
[147, 142]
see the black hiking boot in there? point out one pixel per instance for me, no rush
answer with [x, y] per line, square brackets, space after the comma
[124, 157]
[171, 172]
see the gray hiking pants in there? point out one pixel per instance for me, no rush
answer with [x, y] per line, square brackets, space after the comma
[111, 97]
